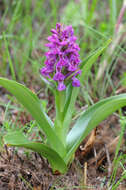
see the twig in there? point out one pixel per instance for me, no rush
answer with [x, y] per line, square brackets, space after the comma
[120, 17]
[109, 161]
[85, 175]
[7, 152]
[102, 153]
[95, 154]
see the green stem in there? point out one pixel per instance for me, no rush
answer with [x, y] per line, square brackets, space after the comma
[60, 102]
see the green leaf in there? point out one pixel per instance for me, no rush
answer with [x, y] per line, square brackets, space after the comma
[87, 64]
[31, 102]
[90, 119]
[19, 140]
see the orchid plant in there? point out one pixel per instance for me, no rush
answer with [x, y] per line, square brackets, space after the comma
[64, 73]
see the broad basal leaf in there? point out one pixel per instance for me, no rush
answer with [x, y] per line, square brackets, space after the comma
[19, 140]
[31, 102]
[90, 119]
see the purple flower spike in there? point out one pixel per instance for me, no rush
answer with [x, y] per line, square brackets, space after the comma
[62, 58]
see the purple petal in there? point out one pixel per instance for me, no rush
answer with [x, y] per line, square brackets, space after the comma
[50, 45]
[61, 63]
[61, 86]
[70, 30]
[72, 67]
[59, 67]
[45, 71]
[58, 77]
[53, 31]
[73, 38]
[76, 82]
[63, 43]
